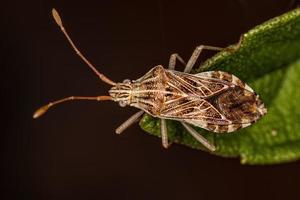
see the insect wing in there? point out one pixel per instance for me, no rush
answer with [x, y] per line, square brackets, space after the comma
[196, 111]
[199, 85]
[215, 100]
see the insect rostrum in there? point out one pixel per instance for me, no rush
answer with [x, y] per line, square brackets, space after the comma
[214, 100]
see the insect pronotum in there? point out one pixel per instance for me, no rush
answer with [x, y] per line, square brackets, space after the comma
[213, 100]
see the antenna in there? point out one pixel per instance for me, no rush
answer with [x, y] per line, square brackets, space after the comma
[42, 110]
[91, 66]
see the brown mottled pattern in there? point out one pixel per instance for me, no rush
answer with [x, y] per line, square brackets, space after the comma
[215, 74]
[180, 84]
[236, 126]
[172, 93]
[211, 127]
[205, 105]
[209, 100]
[172, 105]
[196, 84]
[177, 108]
[211, 112]
[240, 83]
[222, 128]
[148, 93]
[217, 128]
[226, 77]
[215, 87]
[238, 107]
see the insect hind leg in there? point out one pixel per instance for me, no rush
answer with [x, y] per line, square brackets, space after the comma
[196, 54]
[172, 61]
[199, 137]
[131, 120]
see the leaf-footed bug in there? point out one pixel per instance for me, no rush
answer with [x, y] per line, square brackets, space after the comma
[214, 100]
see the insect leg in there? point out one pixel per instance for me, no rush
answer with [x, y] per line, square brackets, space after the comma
[199, 137]
[164, 133]
[172, 61]
[236, 46]
[196, 54]
[129, 122]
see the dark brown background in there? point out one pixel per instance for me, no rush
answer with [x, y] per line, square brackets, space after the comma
[72, 152]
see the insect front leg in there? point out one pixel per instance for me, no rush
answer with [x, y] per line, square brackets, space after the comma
[172, 61]
[129, 122]
[199, 137]
[196, 54]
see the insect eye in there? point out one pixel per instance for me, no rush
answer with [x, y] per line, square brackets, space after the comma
[122, 103]
[126, 81]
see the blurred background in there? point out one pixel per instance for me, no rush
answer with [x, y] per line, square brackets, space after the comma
[73, 152]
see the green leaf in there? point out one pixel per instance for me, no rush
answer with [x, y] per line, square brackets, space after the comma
[269, 61]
